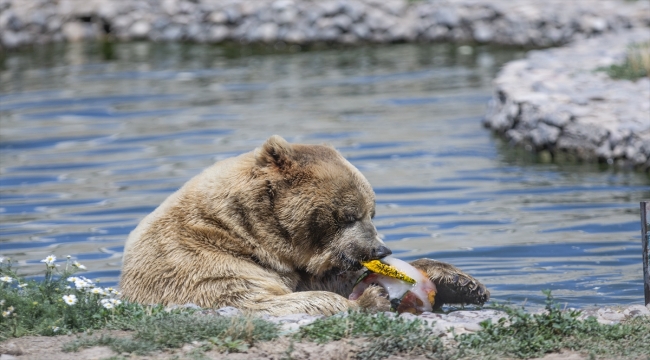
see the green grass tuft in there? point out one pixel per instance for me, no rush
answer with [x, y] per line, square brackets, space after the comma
[636, 65]
[525, 335]
[385, 335]
[234, 334]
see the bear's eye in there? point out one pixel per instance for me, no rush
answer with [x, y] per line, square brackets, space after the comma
[349, 218]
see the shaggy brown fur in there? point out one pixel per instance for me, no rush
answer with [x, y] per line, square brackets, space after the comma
[278, 230]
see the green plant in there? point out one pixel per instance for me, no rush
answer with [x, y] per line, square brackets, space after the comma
[61, 303]
[636, 65]
[385, 335]
[525, 335]
[170, 331]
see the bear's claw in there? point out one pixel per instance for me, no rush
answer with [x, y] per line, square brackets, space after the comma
[454, 286]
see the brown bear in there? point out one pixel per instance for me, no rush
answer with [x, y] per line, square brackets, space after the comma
[278, 230]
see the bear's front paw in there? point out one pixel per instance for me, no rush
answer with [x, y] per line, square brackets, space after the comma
[454, 286]
[374, 299]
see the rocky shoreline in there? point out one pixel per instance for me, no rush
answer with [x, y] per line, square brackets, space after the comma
[555, 101]
[521, 23]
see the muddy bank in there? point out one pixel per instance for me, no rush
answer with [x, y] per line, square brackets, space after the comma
[526, 23]
[557, 101]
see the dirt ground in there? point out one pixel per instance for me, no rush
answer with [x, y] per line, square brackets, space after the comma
[43, 347]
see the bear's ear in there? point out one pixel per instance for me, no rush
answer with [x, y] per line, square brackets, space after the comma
[276, 151]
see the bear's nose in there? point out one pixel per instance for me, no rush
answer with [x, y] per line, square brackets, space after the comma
[381, 252]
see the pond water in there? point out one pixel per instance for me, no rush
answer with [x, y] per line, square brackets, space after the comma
[94, 137]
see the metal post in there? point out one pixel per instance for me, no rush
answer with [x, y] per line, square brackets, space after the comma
[645, 241]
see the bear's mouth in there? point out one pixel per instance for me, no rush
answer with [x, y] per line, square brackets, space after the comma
[350, 264]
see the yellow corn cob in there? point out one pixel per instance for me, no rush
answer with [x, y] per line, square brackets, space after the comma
[379, 267]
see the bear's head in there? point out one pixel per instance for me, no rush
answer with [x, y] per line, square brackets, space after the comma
[322, 204]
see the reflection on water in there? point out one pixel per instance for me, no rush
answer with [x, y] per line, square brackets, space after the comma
[90, 144]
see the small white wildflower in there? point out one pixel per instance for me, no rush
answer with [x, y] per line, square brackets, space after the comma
[7, 279]
[49, 260]
[78, 266]
[68, 287]
[22, 285]
[73, 279]
[110, 290]
[70, 299]
[116, 302]
[10, 309]
[55, 329]
[6, 313]
[108, 305]
[2, 302]
[81, 284]
[98, 291]
[2, 259]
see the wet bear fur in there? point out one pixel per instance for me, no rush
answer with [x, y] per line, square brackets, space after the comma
[278, 230]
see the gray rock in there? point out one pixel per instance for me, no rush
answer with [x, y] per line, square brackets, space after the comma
[355, 10]
[604, 151]
[544, 135]
[447, 16]
[342, 21]
[74, 31]
[483, 32]
[267, 32]
[218, 33]
[557, 118]
[173, 33]
[610, 315]
[218, 17]
[232, 14]
[228, 311]
[360, 30]
[11, 39]
[140, 29]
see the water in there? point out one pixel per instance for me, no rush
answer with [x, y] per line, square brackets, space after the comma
[92, 139]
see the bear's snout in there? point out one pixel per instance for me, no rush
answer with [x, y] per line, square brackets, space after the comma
[380, 252]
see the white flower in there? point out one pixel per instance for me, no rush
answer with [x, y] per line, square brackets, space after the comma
[6, 313]
[49, 260]
[55, 329]
[2, 302]
[83, 283]
[108, 305]
[98, 291]
[10, 309]
[6, 279]
[2, 259]
[22, 285]
[73, 279]
[70, 299]
[116, 302]
[78, 266]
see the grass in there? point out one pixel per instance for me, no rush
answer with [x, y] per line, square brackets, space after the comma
[636, 65]
[524, 335]
[384, 335]
[47, 308]
[235, 334]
